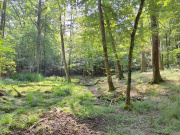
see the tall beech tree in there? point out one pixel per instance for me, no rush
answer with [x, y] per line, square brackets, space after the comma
[110, 83]
[119, 70]
[38, 37]
[155, 43]
[127, 106]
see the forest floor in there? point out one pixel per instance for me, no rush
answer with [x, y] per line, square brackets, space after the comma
[85, 107]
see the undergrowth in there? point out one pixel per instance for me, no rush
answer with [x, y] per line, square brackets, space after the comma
[160, 112]
[18, 113]
[30, 77]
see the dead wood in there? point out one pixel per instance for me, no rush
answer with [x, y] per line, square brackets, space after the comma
[26, 85]
[19, 94]
[91, 84]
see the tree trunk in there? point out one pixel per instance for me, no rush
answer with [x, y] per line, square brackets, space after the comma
[155, 51]
[3, 19]
[143, 62]
[110, 83]
[63, 51]
[167, 56]
[2, 28]
[127, 106]
[38, 38]
[161, 56]
[119, 70]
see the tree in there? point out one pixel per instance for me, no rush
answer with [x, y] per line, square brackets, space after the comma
[155, 44]
[2, 27]
[38, 37]
[143, 61]
[3, 18]
[119, 74]
[130, 54]
[63, 48]
[110, 83]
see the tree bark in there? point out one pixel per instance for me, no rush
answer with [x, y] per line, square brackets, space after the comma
[3, 18]
[38, 38]
[110, 83]
[160, 55]
[127, 106]
[143, 62]
[167, 55]
[155, 51]
[63, 50]
[120, 72]
[2, 28]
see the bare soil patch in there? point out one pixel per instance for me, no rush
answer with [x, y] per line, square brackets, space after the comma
[59, 123]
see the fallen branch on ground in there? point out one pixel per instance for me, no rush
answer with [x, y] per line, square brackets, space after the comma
[26, 85]
[19, 94]
[91, 84]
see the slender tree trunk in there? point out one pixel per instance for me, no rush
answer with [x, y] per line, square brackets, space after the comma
[63, 51]
[120, 73]
[161, 56]
[167, 56]
[70, 44]
[127, 106]
[155, 51]
[2, 28]
[143, 62]
[38, 38]
[44, 49]
[110, 83]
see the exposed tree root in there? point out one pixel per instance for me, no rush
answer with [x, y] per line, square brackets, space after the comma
[155, 81]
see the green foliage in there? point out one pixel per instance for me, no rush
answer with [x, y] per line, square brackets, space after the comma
[14, 121]
[170, 113]
[144, 106]
[62, 91]
[31, 77]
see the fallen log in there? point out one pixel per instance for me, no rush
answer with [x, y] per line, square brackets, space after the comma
[26, 85]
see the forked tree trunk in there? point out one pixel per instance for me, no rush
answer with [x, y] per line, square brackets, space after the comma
[38, 38]
[155, 51]
[127, 106]
[63, 51]
[119, 70]
[110, 83]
